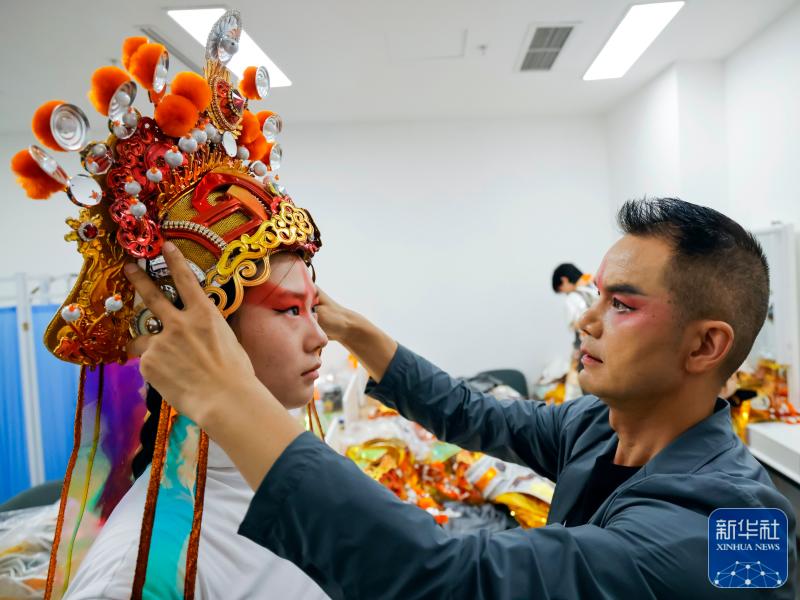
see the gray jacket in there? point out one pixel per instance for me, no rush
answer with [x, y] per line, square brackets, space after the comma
[647, 540]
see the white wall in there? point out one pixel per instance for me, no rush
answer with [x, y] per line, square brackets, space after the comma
[703, 134]
[725, 133]
[669, 138]
[762, 88]
[444, 233]
[643, 142]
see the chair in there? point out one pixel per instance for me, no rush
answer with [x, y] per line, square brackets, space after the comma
[39, 495]
[510, 377]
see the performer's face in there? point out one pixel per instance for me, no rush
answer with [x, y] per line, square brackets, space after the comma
[632, 348]
[277, 326]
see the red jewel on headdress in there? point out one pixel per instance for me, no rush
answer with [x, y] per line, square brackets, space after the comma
[88, 231]
[238, 102]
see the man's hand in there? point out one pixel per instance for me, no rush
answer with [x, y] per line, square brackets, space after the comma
[196, 357]
[334, 318]
[371, 346]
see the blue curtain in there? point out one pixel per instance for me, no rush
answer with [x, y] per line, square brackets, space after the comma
[58, 395]
[13, 453]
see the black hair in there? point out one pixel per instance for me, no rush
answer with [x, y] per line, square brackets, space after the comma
[568, 270]
[147, 435]
[718, 269]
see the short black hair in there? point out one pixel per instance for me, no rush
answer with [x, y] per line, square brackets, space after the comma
[568, 270]
[718, 270]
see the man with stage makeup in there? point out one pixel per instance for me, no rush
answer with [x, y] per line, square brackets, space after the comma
[640, 464]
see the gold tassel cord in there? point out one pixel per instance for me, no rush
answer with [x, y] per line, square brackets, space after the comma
[156, 469]
[194, 537]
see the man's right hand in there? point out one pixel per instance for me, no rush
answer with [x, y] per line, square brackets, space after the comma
[372, 347]
[334, 318]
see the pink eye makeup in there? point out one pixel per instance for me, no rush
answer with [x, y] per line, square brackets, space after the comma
[278, 298]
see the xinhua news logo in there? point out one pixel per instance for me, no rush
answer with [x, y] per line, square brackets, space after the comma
[748, 548]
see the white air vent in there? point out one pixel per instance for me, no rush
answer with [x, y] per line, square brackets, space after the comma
[545, 46]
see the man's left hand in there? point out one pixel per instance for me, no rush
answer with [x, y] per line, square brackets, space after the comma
[194, 360]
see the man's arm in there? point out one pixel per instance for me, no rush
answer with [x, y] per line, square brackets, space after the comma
[357, 540]
[524, 432]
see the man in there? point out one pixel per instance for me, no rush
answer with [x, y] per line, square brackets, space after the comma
[639, 466]
[277, 327]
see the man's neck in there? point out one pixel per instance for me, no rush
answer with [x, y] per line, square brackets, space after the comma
[644, 431]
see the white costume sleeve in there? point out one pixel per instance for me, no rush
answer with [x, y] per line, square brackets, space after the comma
[229, 566]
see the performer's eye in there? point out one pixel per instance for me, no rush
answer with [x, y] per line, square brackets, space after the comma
[294, 311]
[620, 306]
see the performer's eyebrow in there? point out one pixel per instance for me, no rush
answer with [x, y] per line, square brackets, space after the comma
[292, 293]
[624, 288]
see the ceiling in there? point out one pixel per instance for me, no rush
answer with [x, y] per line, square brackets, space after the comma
[356, 60]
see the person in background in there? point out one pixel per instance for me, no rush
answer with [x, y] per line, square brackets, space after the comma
[580, 292]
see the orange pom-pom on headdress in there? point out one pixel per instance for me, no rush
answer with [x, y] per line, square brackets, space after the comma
[37, 184]
[143, 63]
[105, 82]
[194, 88]
[129, 47]
[250, 128]
[41, 124]
[248, 84]
[257, 148]
[175, 115]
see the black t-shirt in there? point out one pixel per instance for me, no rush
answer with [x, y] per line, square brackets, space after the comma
[605, 478]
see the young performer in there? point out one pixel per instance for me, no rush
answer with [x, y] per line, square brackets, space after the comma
[201, 173]
[277, 326]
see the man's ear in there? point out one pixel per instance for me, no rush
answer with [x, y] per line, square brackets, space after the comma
[710, 344]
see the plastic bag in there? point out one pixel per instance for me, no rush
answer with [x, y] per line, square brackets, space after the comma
[26, 537]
